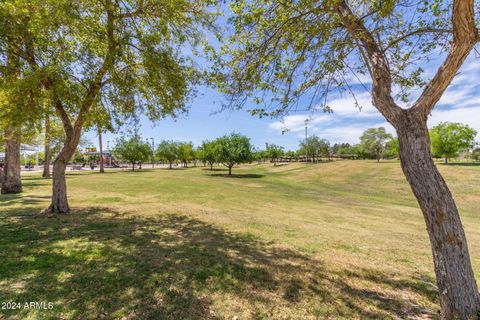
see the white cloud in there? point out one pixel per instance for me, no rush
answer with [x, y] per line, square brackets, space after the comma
[358, 78]
[464, 90]
[296, 123]
[332, 125]
[348, 134]
[460, 103]
[346, 105]
[469, 116]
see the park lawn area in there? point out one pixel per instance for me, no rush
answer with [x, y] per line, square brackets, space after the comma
[343, 239]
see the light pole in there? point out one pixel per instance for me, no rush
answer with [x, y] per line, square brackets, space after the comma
[306, 142]
[153, 152]
[36, 154]
[109, 154]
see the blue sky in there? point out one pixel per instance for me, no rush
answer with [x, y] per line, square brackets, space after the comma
[461, 103]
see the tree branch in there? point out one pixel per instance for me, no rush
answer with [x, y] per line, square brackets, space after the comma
[67, 124]
[96, 84]
[413, 33]
[374, 58]
[465, 36]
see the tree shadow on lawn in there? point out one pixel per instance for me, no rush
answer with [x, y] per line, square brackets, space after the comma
[462, 164]
[100, 264]
[21, 199]
[215, 169]
[238, 175]
[30, 182]
[282, 164]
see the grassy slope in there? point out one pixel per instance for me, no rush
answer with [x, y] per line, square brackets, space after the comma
[333, 240]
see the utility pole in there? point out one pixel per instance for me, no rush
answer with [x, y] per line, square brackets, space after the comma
[37, 167]
[306, 142]
[153, 152]
[109, 154]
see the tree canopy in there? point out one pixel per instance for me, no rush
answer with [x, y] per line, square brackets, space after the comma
[273, 152]
[280, 52]
[448, 138]
[208, 152]
[374, 141]
[185, 152]
[125, 56]
[233, 149]
[133, 150]
[314, 147]
[167, 151]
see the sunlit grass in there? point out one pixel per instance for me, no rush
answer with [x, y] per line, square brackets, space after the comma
[333, 240]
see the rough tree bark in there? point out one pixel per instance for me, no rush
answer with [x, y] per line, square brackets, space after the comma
[59, 187]
[46, 166]
[459, 296]
[12, 179]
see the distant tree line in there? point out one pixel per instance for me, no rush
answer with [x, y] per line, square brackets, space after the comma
[448, 140]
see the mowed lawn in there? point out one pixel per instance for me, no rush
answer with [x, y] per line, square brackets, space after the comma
[339, 240]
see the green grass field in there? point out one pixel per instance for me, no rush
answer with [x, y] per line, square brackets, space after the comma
[333, 240]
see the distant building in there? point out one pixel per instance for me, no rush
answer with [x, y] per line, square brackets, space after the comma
[93, 154]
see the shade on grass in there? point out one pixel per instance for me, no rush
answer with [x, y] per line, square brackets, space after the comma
[341, 239]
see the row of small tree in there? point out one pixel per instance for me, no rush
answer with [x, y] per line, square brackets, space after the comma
[228, 150]
[448, 139]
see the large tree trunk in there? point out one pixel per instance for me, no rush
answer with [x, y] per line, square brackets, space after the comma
[459, 296]
[46, 165]
[12, 179]
[59, 188]
[100, 145]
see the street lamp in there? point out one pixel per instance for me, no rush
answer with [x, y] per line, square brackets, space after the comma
[36, 154]
[306, 142]
[109, 154]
